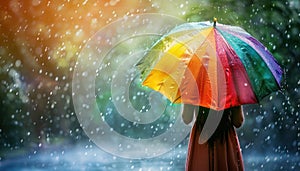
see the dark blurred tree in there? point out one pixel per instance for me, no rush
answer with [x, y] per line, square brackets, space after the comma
[14, 121]
[276, 24]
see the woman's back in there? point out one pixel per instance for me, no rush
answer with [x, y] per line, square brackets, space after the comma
[222, 150]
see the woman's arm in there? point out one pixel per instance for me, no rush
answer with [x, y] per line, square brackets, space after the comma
[188, 113]
[237, 116]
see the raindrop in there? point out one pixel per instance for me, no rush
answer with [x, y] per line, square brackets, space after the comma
[113, 2]
[18, 63]
[267, 138]
[84, 74]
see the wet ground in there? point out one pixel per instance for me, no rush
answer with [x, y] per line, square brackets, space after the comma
[87, 156]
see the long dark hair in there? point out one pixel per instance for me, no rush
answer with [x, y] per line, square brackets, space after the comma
[223, 127]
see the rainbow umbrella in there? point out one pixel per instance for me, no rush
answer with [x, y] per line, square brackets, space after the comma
[211, 65]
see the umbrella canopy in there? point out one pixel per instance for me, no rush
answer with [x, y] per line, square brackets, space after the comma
[211, 65]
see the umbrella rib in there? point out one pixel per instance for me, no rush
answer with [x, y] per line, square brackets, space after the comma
[192, 38]
[249, 61]
[230, 52]
[193, 53]
[184, 43]
[272, 64]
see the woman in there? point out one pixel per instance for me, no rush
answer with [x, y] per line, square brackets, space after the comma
[222, 150]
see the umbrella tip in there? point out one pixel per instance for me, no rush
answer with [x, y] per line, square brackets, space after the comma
[215, 21]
